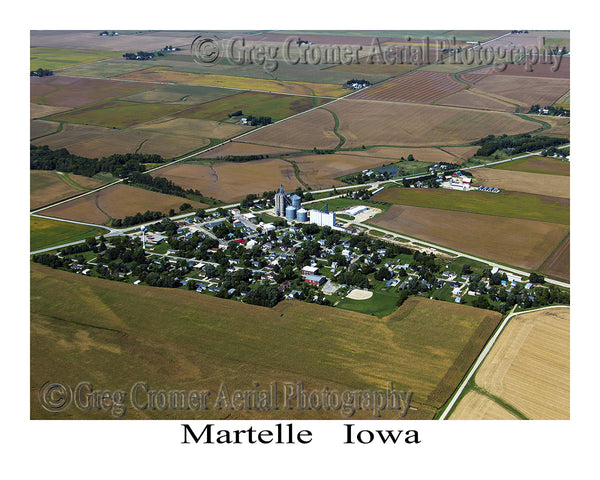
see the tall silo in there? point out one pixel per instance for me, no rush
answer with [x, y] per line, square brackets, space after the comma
[296, 200]
[290, 213]
[302, 215]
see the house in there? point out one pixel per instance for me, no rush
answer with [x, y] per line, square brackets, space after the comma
[309, 270]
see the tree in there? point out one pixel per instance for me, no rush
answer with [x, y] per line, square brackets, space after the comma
[536, 278]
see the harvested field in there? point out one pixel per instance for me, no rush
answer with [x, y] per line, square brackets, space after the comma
[241, 148]
[475, 406]
[560, 69]
[461, 154]
[388, 154]
[470, 99]
[558, 264]
[189, 127]
[232, 181]
[106, 69]
[417, 87]
[537, 183]
[564, 101]
[559, 126]
[42, 128]
[372, 123]
[505, 204]
[312, 129]
[54, 58]
[72, 134]
[165, 74]
[38, 111]
[537, 164]
[529, 365]
[76, 92]
[513, 241]
[525, 91]
[117, 201]
[252, 103]
[374, 68]
[47, 187]
[117, 113]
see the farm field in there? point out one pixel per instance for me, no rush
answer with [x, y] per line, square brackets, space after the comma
[72, 134]
[537, 164]
[559, 126]
[325, 346]
[38, 111]
[539, 70]
[515, 181]
[471, 99]
[252, 103]
[76, 92]
[116, 113]
[476, 406]
[106, 68]
[487, 236]
[564, 101]
[242, 148]
[370, 123]
[182, 94]
[528, 366]
[307, 131]
[558, 264]
[422, 154]
[48, 187]
[45, 233]
[41, 128]
[232, 181]
[54, 58]
[417, 86]
[117, 201]
[524, 91]
[505, 204]
[165, 74]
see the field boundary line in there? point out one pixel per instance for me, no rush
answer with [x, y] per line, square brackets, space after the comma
[484, 353]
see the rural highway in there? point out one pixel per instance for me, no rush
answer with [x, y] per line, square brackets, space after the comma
[484, 354]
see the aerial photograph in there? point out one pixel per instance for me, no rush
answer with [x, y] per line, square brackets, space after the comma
[299, 225]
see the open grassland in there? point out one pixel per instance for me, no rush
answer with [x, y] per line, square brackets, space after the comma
[242, 148]
[514, 181]
[232, 181]
[45, 233]
[417, 86]
[505, 204]
[47, 187]
[117, 113]
[525, 91]
[537, 164]
[370, 123]
[38, 111]
[558, 264]
[183, 340]
[183, 94]
[307, 131]
[253, 103]
[117, 201]
[76, 92]
[165, 74]
[512, 241]
[529, 365]
[476, 406]
[53, 58]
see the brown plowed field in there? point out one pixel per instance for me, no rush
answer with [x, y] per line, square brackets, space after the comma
[417, 87]
[389, 154]
[76, 92]
[537, 164]
[47, 187]
[241, 148]
[558, 263]
[529, 366]
[475, 406]
[468, 98]
[71, 134]
[538, 183]
[117, 201]
[232, 181]
[39, 111]
[306, 131]
[558, 70]
[513, 241]
[407, 124]
[38, 128]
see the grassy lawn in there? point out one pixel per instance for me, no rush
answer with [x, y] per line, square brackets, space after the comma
[46, 233]
[380, 304]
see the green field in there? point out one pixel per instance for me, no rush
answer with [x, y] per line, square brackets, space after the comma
[46, 233]
[251, 103]
[504, 204]
[116, 114]
[537, 164]
[108, 68]
[380, 304]
[53, 58]
[184, 94]
[113, 335]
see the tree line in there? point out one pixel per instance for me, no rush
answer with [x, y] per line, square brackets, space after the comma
[159, 184]
[515, 143]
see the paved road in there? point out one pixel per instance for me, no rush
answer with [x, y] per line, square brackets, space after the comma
[484, 354]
